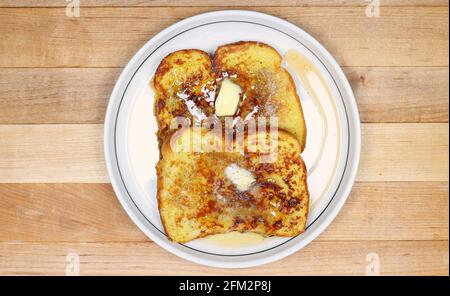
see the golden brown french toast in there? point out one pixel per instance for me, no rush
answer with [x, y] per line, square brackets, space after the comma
[203, 193]
[187, 82]
[184, 85]
[268, 89]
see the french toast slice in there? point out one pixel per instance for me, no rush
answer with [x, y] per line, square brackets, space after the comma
[268, 89]
[187, 81]
[203, 193]
[184, 86]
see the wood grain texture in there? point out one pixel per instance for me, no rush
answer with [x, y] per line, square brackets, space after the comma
[56, 75]
[325, 258]
[400, 94]
[74, 153]
[127, 3]
[108, 37]
[404, 152]
[55, 95]
[74, 95]
[52, 153]
[92, 213]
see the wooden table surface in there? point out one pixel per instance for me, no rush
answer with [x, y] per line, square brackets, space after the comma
[56, 75]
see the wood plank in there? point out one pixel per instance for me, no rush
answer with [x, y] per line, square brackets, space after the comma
[404, 152]
[393, 211]
[327, 258]
[400, 94]
[52, 153]
[80, 95]
[64, 212]
[108, 37]
[128, 3]
[91, 213]
[74, 153]
[55, 95]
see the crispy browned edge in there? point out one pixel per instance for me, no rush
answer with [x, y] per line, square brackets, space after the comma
[216, 61]
[159, 188]
[166, 145]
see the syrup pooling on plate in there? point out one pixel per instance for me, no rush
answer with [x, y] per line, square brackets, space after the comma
[235, 239]
[316, 87]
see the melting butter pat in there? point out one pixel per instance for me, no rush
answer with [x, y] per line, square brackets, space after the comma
[228, 99]
[240, 177]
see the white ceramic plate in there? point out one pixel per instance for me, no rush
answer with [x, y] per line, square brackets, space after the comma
[331, 155]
